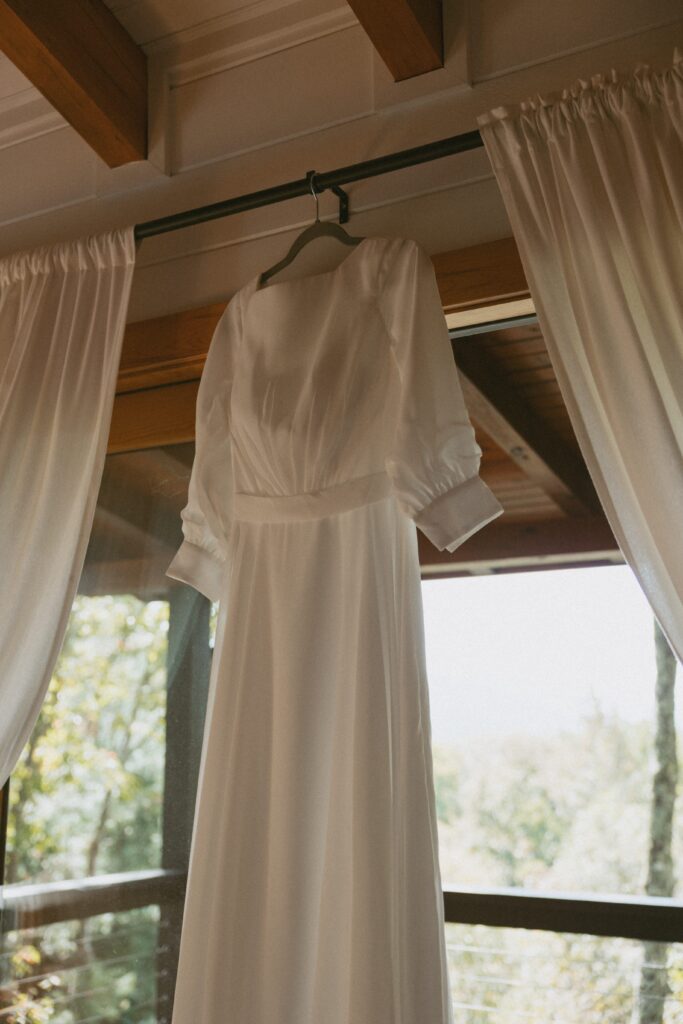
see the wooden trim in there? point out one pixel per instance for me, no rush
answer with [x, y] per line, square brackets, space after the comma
[481, 275]
[504, 544]
[84, 62]
[36, 905]
[644, 918]
[154, 417]
[407, 34]
[167, 349]
[648, 918]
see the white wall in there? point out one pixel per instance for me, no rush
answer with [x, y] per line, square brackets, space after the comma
[260, 95]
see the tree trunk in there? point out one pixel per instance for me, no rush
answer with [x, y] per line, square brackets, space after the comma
[654, 983]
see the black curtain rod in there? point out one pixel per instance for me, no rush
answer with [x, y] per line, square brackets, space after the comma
[302, 186]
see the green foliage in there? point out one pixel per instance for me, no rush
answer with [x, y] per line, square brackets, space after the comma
[86, 795]
[86, 798]
[523, 823]
[569, 813]
[101, 969]
[447, 785]
[506, 976]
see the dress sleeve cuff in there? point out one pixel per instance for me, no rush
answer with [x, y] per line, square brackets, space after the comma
[454, 516]
[194, 565]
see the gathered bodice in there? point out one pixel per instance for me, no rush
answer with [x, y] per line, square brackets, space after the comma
[313, 381]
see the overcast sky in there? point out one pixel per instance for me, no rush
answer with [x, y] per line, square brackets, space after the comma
[531, 652]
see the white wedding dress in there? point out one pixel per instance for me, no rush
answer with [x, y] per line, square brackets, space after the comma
[330, 420]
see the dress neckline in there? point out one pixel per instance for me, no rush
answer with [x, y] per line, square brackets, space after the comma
[257, 289]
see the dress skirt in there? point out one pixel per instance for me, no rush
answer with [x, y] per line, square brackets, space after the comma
[330, 423]
[315, 894]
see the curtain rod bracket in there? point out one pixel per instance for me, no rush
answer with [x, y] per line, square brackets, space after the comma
[338, 191]
[343, 203]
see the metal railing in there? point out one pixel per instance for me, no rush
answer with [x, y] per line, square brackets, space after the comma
[620, 917]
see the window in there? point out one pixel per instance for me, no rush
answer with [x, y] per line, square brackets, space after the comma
[102, 800]
[544, 718]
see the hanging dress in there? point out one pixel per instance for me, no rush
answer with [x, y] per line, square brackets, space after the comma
[330, 421]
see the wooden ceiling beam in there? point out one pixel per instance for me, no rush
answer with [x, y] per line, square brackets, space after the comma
[84, 62]
[407, 34]
[542, 456]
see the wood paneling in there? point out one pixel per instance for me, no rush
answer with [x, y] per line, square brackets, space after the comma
[36, 905]
[545, 458]
[407, 34]
[522, 363]
[84, 62]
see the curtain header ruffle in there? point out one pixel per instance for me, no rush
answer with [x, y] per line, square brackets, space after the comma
[602, 96]
[95, 252]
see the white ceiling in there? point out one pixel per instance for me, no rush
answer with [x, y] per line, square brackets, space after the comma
[161, 25]
[246, 95]
[11, 79]
[152, 22]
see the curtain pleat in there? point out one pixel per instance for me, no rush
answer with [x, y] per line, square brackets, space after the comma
[62, 318]
[592, 180]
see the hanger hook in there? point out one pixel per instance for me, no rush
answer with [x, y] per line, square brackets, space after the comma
[311, 179]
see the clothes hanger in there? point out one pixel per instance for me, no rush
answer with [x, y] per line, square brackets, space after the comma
[315, 230]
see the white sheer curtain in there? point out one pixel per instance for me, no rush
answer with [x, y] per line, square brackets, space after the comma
[593, 184]
[62, 317]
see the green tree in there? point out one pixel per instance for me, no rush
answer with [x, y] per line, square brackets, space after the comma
[86, 794]
[86, 798]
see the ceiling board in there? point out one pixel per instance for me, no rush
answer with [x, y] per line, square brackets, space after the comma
[150, 21]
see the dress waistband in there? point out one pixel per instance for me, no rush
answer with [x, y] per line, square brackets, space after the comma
[329, 501]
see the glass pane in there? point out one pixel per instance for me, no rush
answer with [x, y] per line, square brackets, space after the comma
[102, 969]
[102, 801]
[510, 976]
[542, 691]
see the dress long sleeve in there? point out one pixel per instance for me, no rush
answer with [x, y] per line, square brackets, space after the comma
[434, 460]
[202, 558]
